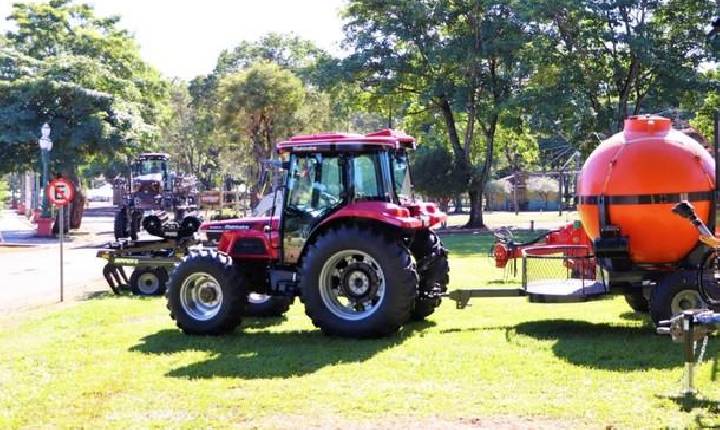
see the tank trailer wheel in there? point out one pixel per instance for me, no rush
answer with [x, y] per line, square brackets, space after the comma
[434, 273]
[261, 305]
[205, 294]
[671, 296]
[358, 283]
[146, 281]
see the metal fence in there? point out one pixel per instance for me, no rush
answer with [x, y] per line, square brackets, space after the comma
[561, 271]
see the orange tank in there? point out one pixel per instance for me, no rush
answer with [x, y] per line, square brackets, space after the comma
[640, 174]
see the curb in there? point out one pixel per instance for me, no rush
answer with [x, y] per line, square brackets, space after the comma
[18, 245]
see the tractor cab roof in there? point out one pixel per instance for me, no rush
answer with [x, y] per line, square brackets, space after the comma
[153, 156]
[339, 142]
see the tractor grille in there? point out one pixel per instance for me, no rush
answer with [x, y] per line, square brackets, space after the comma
[249, 247]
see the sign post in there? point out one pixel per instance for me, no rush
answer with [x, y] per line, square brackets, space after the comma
[60, 192]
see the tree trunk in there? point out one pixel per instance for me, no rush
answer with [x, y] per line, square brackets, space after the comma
[457, 204]
[476, 212]
[477, 185]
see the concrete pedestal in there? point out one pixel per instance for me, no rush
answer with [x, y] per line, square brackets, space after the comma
[44, 227]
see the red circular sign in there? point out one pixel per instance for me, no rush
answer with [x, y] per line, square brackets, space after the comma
[60, 191]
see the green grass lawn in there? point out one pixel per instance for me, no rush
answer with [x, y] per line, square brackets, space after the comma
[119, 362]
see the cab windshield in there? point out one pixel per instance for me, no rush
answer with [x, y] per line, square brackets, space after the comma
[145, 167]
[401, 176]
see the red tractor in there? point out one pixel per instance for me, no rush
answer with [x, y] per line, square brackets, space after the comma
[349, 239]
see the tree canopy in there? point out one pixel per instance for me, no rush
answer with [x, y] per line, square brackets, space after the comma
[82, 74]
[484, 85]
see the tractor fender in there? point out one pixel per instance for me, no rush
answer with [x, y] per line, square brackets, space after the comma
[382, 212]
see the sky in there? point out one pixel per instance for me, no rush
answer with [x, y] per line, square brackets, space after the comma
[184, 37]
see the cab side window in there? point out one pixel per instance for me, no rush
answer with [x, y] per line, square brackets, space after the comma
[364, 174]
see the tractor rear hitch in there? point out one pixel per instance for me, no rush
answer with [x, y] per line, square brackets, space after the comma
[462, 297]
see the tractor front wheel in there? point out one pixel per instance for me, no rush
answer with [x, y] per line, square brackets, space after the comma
[206, 295]
[358, 283]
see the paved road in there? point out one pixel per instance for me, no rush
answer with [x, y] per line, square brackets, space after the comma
[31, 276]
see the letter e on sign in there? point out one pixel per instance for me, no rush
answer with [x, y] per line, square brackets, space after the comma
[60, 191]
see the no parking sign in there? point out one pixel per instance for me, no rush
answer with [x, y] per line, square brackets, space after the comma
[60, 191]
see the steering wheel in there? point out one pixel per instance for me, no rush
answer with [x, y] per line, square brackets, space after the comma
[329, 199]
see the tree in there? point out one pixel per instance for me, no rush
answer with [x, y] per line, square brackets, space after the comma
[263, 102]
[600, 61]
[434, 173]
[465, 60]
[224, 135]
[258, 106]
[81, 74]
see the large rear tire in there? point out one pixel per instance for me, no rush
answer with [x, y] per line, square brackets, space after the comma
[261, 305]
[434, 273]
[356, 282]
[206, 295]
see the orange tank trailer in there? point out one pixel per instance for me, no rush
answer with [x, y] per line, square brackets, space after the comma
[640, 174]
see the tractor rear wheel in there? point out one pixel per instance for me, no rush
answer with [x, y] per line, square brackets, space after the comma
[261, 305]
[205, 294]
[433, 270]
[147, 281]
[358, 283]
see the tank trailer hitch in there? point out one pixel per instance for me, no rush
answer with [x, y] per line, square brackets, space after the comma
[688, 328]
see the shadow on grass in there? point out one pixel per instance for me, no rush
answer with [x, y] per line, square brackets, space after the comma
[610, 347]
[266, 354]
[260, 323]
[636, 316]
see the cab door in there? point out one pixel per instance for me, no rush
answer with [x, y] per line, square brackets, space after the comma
[315, 187]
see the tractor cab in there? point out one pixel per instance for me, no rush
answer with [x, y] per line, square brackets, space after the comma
[150, 175]
[336, 176]
[331, 178]
[153, 193]
[350, 239]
